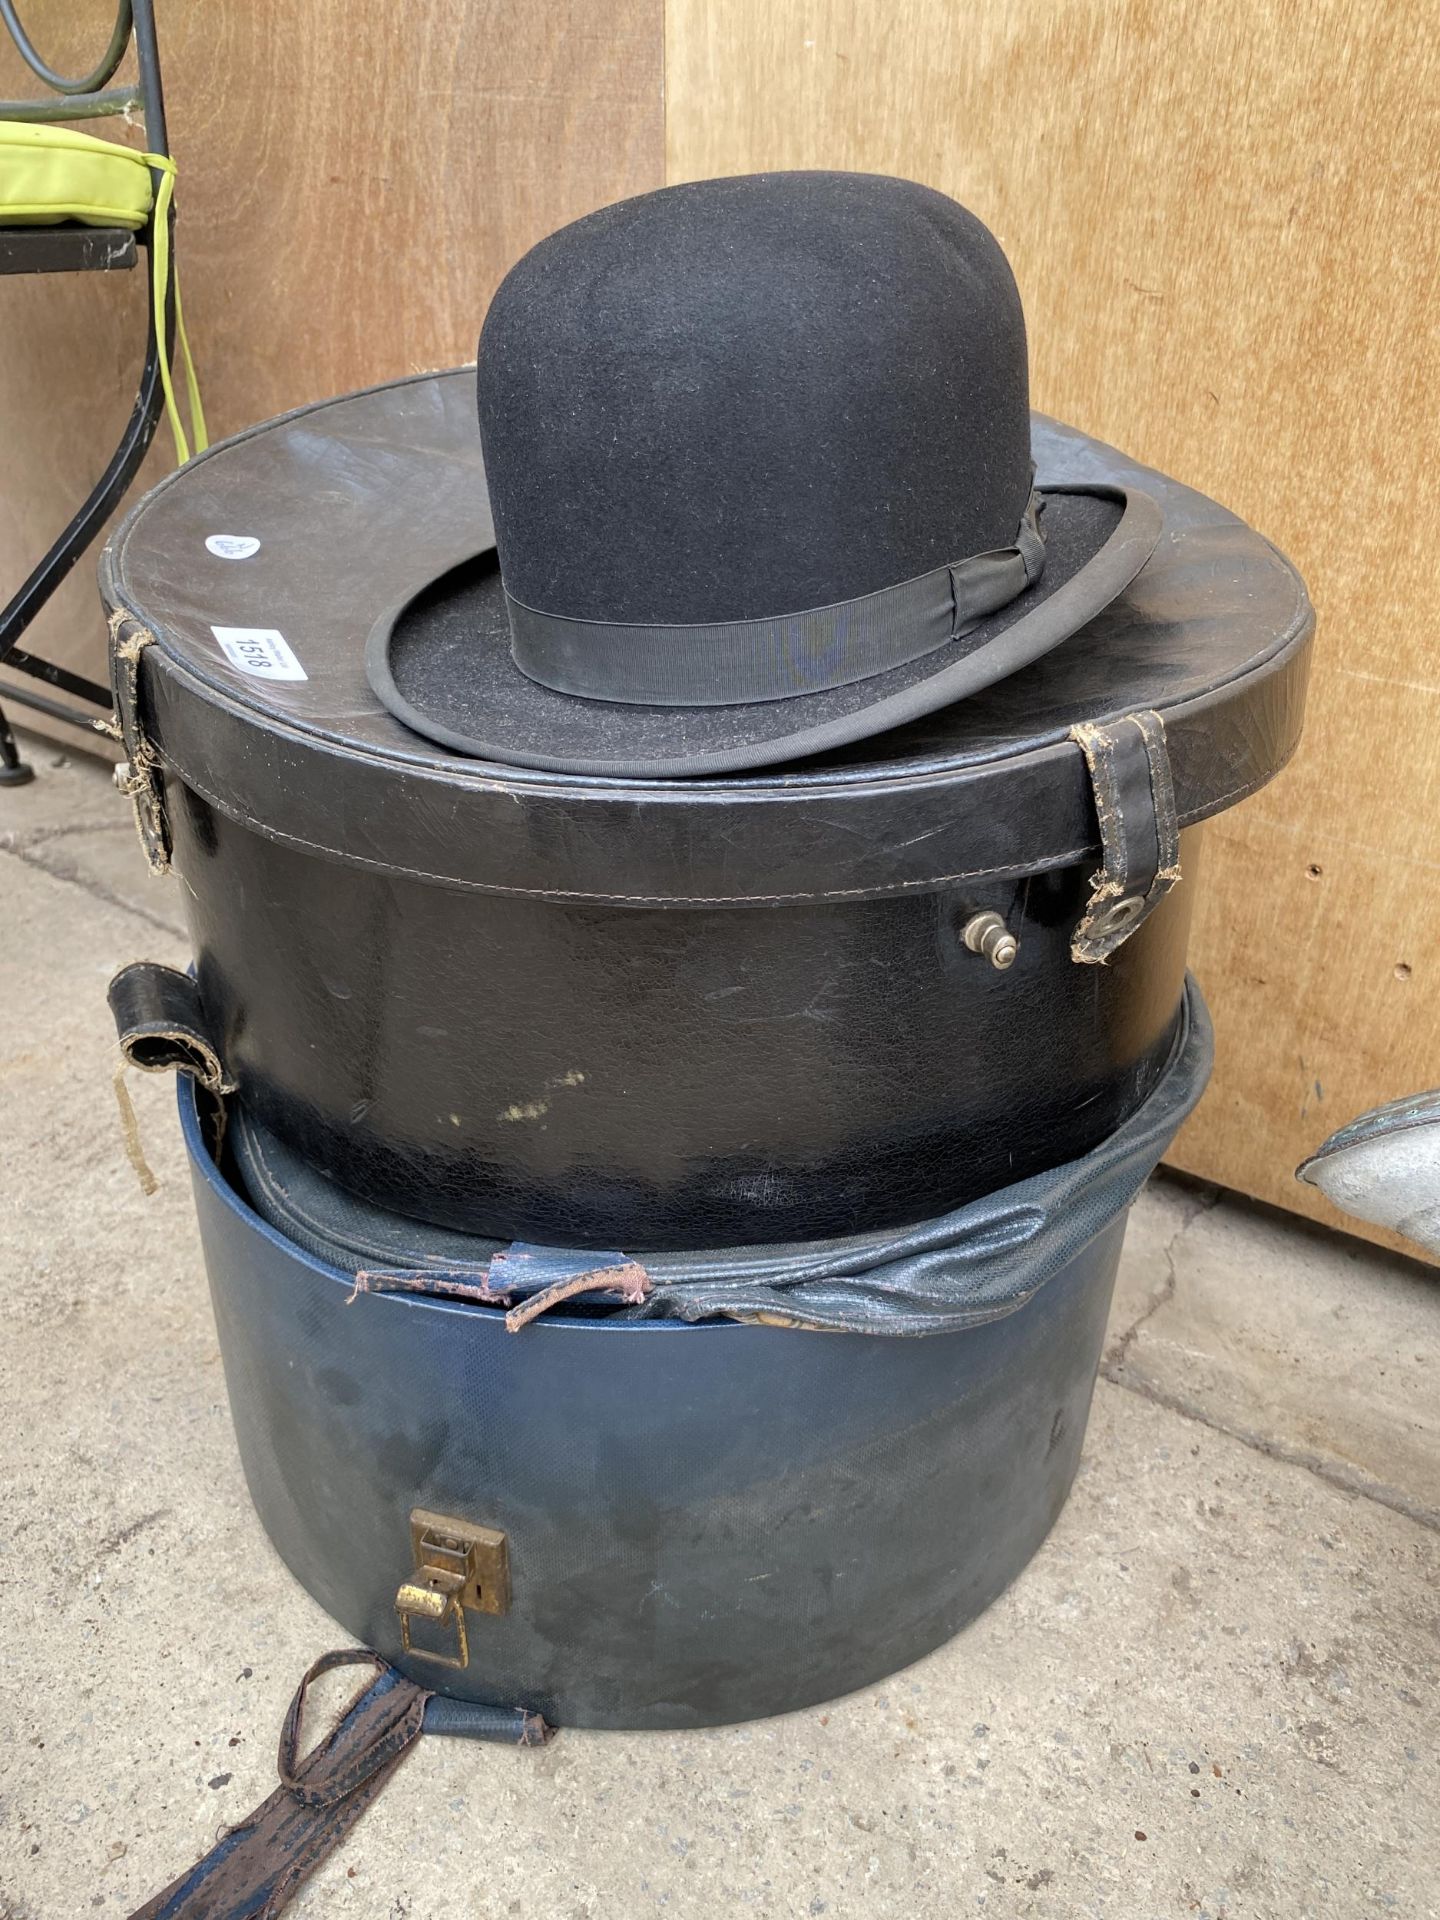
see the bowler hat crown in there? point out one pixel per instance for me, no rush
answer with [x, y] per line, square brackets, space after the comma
[745, 397]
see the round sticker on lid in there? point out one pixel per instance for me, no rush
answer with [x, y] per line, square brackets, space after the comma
[232, 546]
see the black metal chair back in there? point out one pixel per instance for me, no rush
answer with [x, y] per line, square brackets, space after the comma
[79, 249]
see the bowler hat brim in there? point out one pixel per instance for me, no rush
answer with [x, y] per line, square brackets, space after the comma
[441, 663]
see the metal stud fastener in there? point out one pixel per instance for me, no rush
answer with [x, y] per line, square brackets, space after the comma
[987, 934]
[1120, 913]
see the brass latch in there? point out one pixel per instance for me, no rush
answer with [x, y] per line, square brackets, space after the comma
[457, 1565]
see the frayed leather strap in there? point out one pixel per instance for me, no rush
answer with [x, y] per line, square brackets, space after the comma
[161, 1024]
[138, 774]
[1139, 831]
[254, 1869]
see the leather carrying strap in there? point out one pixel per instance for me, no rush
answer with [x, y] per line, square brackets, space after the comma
[1134, 796]
[161, 1024]
[253, 1870]
[138, 774]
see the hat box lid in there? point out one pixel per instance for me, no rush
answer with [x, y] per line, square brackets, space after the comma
[243, 590]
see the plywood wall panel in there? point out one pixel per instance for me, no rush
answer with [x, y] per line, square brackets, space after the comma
[1223, 221]
[353, 183]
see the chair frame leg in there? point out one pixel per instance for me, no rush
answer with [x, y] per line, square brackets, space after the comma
[14, 772]
[83, 527]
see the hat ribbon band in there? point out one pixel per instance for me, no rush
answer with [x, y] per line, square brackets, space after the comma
[741, 662]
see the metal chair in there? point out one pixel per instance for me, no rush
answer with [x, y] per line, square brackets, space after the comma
[85, 249]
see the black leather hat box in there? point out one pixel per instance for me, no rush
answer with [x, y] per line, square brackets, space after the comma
[668, 1013]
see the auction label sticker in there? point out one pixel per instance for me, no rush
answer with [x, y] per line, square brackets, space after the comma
[262, 651]
[232, 546]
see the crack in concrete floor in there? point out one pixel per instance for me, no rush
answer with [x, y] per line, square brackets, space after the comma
[29, 852]
[1113, 1365]
[1116, 1368]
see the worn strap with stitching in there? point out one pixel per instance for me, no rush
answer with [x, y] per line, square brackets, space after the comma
[138, 775]
[254, 1869]
[161, 1024]
[1134, 796]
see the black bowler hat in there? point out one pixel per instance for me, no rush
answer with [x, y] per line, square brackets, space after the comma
[758, 453]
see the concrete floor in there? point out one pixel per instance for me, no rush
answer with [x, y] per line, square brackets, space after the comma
[1212, 1694]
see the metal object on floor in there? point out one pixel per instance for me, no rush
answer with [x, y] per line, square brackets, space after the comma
[1385, 1168]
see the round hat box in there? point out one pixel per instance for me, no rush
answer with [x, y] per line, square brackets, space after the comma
[633, 1522]
[668, 1013]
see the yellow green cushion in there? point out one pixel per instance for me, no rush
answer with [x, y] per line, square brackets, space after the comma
[49, 174]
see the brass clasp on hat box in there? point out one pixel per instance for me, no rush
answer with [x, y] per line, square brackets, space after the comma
[457, 1566]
